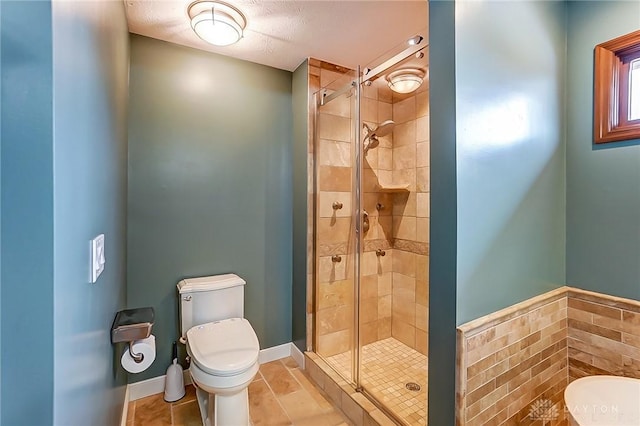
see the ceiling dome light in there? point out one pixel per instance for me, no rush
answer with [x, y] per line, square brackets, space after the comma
[216, 22]
[405, 81]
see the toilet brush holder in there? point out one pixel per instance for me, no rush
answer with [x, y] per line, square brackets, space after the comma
[174, 382]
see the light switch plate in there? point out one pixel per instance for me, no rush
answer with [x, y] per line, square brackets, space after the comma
[97, 257]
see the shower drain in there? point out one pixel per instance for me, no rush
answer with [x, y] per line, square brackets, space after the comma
[412, 386]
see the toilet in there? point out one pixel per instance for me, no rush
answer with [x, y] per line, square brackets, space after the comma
[603, 401]
[222, 345]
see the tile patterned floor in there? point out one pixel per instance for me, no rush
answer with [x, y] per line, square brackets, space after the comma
[387, 366]
[280, 395]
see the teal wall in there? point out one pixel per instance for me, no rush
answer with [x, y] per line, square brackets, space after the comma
[27, 214]
[442, 269]
[209, 185]
[603, 182]
[300, 99]
[90, 66]
[510, 84]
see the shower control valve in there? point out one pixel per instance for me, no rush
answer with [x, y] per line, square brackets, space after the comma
[379, 206]
[336, 259]
[380, 252]
[337, 205]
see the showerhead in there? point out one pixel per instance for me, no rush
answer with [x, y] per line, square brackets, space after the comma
[371, 139]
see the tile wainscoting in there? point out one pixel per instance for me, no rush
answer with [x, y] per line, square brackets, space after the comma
[514, 361]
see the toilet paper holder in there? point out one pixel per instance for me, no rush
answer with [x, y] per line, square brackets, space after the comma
[130, 325]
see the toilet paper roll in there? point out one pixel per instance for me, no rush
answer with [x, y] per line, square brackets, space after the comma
[147, 347]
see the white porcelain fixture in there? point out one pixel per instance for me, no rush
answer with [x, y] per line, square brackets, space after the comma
[222, 345]
[216, 22]
[603, 401]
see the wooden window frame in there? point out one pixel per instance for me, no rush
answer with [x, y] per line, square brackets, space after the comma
[611, 90]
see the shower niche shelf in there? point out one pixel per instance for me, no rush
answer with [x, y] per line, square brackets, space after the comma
[404, 187]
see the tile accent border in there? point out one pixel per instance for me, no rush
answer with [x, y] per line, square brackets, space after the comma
[354, 405]
[509, 359]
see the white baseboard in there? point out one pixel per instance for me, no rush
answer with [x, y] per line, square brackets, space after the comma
[155, 385]
[275, 352]
[125, 408]
[297, 355]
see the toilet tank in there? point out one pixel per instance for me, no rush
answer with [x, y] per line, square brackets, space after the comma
[208, 299]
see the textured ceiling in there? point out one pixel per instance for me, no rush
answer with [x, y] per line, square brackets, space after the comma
[282, 34]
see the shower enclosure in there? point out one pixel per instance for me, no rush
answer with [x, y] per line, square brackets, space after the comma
[371, 176]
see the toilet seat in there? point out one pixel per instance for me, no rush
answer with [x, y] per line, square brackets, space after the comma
[224, 348]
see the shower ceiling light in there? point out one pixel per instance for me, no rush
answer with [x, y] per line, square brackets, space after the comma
[405, 81]
[216, 22]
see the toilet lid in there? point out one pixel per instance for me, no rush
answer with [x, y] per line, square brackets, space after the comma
[224, 348]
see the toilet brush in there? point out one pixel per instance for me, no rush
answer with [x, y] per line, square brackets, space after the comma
[174, 383]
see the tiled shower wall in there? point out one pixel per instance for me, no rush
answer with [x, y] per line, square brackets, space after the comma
[512, 359]
[411, 218]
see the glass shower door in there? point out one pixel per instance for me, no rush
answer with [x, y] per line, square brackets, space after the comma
[335, 242]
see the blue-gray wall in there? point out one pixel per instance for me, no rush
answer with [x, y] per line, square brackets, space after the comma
[90, 66]
[209, 185]
[300, 102]
[510, 84]
[442, 269]
[603, 182]
[27, 213]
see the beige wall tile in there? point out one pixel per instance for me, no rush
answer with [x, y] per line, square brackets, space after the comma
[385, 94]
[340, 106]
[405, 176]
[329, 271]
[422, 129]
[404, 134]
[404, 227]
[404, 332]
[334, 343]
[336, 179]
[422, 292]
[384, 328]
[368, 332]
[422, 154]
[422, 104]
[422, 179]
[334, 319]
[334, 127]
[385, 282]
[404, 204]
[422, 342]
[331, 153]
[384, 306]
[385, 112]
[422, 267]
[423, 204]
[368, 310]
[404, 157]
[371, 159]
[385, 158]
[422, 315]
[404, 262]
[333, 230]
[422, 229]
[334, 80]
[326, 200]
[405, 110]
[369, 110]
[368, 286]
[336, 293]
[370, 92]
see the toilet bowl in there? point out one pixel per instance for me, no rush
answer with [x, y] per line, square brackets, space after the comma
[224, 361]
[603, 401]
[222, 346]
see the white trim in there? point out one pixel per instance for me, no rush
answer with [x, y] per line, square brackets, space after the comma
[125, 407]
[275, 352]
[155, 385]
[297, 355]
